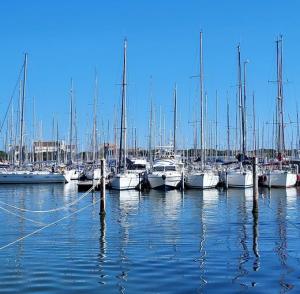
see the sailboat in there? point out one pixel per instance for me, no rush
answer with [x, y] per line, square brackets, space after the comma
[279, 177]
[201, 177]
[94, 173]
[23, 176]
[72, 173]
[31, 177]
[240, 177]
[124, 180]
[166, 170]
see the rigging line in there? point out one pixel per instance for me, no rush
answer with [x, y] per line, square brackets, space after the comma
[25, 218]
[11, 98]
[54, 209]
[47, 226]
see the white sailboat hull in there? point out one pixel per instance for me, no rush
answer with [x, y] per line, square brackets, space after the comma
[126, 181]
[31, 178]
[164, 180]
[202, 180]
[280, 179]
[239, 179]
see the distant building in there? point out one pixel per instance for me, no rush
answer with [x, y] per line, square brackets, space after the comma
[52, 151]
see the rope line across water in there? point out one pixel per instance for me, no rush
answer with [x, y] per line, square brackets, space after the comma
[47, 226]
[23, 217]
[54, 209]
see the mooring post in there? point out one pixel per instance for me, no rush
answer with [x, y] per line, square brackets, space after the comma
[297, 173]
[140, 182]
[102, 188]
[226, 180]
[182, 179]
[255, 185]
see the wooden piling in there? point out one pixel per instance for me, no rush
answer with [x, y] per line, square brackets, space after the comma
[140, 182]
[226, 180]
[255, 185]
[182, 179]
[102, 188]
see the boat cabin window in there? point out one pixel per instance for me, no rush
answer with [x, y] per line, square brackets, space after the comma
[138, 166]
[170, 168]
[158, 168]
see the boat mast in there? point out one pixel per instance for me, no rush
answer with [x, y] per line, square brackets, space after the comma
[254, 124]
[273, 137]
[241, 105]
[205, 127]
[195, 134]
[135, 143]
[175, 120]
[280, 129]
[115, 134]
[258, 137]
[262, 140]
[228, 131]
[160, 126]
[150, 157]
[123, 112]
[11, 135]
[237, 126]
[57, 145]
[33, 129]
[22, 104]
[201, 104]
[216, 125]
[76, 134]
[244, 111]
[53, 138]
[95, 117]
[71, 120]
[298, 131]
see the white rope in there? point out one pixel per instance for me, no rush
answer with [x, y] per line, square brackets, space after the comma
[47, 226]
[23, 217]
[54, 209]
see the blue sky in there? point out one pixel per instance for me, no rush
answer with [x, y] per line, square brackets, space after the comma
[67, 39]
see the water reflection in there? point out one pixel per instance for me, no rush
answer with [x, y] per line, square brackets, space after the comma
[245, 194]
[281, 196]
[128, 203]
[39, 195]
[207, 240]
[129, 200]
[172, 204]
[255, 246]
[102, 247]
[241, 196]
[290, 194]
[207, 197]
[243, 226]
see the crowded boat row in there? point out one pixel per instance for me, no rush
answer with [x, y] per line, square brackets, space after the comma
[165, 173]
[166, 167]
[171, 173]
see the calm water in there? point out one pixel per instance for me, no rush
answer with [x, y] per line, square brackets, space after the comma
[152, 242]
